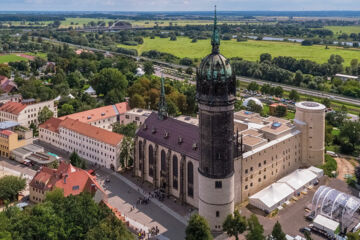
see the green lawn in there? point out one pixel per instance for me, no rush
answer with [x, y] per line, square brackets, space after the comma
[338, 30]
[250, 50]
[37, 54]
[10, 58]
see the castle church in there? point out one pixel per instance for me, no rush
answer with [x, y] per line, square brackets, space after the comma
[229, 156]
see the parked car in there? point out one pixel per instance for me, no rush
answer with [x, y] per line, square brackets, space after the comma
[305, 229]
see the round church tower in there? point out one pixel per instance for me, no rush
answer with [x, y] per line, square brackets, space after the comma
[216, 93]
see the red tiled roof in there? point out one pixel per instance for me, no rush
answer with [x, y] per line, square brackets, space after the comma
[3, 78]
[6, 132]
[100, 113]
[92, 131]
[12, 107]
[52, 124]
[71, 179]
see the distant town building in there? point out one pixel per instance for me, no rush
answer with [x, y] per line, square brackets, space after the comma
[247, 100]
[70, 179]
[10, 140]
[102, 117]
[97, 145]
[7, 85]
[346, 77]
[5, 97]
[136, 115]
[25, 114]
[272, 108]
[90, 91]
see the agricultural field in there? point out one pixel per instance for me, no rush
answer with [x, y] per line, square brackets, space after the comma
[250, 50]
[338, 30]
[79, 22]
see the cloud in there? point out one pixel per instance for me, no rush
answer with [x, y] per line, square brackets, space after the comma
[178, 5]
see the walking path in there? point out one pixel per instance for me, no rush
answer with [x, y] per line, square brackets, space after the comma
[155, 201]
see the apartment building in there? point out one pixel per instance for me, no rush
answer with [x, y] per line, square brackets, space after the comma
[97, 145]
[102, 117]
[25, 114]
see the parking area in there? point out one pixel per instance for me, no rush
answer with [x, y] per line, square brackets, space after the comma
[292, 216]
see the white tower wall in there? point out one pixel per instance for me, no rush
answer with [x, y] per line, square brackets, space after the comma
[310, 120]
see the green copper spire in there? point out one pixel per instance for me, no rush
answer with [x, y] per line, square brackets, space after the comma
[215, 39]
[162, 112]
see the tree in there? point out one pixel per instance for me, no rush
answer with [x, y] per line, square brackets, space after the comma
[137, 101]
[45, 114]
[109, 228]
[10, 186]
[357, 174]
[265, 89]
[299, 78]
[307, 235]
[255, 229]
[127, 130]
[265, 57]
[198, 229]
[326, 102]
[280, 111]
[350, 131]
[66, 109]
[110, 80]
[254, 107]
[253, 86]
[189, 71]
[149, 68]
[278, 91]
[277, 233]
[294, 95]
[336, 118]
[77, 161]
[5, 70]
[353, 236]
[234, 224]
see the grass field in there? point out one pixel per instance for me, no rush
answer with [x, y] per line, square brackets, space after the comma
[250, 50]
[338, 30]
[79, 22]
[10, 58]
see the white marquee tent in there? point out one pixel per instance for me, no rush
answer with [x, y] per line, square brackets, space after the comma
[272, 197]
[299, 179]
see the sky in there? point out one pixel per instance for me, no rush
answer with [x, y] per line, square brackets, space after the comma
[177, 5]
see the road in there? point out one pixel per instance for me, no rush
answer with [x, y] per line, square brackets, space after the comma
[309, 92]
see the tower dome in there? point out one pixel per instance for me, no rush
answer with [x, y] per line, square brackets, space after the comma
[215, 79]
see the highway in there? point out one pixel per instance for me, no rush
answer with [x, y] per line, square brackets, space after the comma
[309, 92]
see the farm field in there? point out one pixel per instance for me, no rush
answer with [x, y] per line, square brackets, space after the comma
[338, 30]
[250, 50]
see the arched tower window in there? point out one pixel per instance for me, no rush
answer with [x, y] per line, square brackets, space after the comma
[175, 171]
[151, 161]
[141, 156]
[190, 178]
[163, 163]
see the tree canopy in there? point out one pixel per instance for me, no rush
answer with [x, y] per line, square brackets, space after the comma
[234, 224]
[10, 186]
[198, 229]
